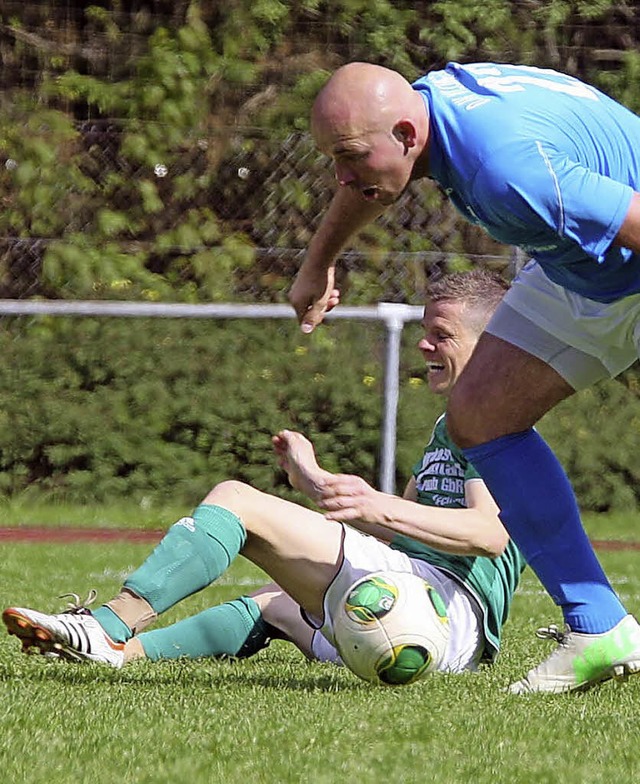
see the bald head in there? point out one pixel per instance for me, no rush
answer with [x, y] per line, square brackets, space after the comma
[364, 95]
[375, 126]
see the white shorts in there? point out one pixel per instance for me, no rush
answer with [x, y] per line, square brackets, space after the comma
[583, 340]
[364, 554]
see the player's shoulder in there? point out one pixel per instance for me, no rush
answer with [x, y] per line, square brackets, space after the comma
[440, 428]
[441, 434]
[490, 80]
[513, 162]
[439, 438]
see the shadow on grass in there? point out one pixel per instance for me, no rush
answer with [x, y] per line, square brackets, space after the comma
[302, 677]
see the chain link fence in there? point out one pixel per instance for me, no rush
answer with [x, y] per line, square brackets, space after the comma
[265, 195]
[271, 193]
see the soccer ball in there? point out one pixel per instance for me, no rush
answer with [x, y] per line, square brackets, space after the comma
[391, 628]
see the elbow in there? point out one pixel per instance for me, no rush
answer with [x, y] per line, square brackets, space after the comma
[493, 545]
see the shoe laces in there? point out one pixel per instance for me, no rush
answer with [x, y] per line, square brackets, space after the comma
[76, 607]
[552, 632]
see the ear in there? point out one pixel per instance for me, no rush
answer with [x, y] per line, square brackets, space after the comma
[405, 132]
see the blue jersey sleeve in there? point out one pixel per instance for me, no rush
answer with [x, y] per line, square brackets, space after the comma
[528, 189]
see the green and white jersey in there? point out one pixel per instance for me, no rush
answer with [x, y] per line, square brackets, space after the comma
[440, 477]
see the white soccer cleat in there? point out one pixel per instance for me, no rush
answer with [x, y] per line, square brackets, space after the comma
[74, 635]
[584, 660]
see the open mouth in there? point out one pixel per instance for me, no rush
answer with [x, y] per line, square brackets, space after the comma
[434, 367]
[371, 193]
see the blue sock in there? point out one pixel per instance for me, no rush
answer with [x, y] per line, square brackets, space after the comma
[540, 512]
[232, 629]
[194, 552]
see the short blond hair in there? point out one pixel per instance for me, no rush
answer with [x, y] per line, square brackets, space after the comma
[479, 288]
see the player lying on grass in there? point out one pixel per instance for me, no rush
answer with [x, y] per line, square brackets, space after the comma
[446, 529]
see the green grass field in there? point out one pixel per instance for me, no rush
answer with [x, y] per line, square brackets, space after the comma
[277, 718]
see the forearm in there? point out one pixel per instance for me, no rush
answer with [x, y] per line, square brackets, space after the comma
[473, 530]
[346, 215]
[459, 531]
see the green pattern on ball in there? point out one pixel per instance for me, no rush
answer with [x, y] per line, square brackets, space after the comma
[406, 664]
[371, 599]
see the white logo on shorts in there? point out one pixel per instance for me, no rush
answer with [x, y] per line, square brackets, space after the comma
[187, 522]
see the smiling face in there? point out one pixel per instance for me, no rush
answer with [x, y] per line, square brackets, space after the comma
[450, 335]
[374, 126]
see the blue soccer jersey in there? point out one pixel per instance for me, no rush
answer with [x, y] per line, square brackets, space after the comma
[541, 161]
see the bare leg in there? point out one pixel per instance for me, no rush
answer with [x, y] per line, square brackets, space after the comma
[280, 610]
[295, 546]
[502, 390]
[501, 393]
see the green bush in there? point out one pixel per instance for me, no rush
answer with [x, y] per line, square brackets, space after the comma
[141, 201]
[594, 435]
[152, 409]
[96, 409]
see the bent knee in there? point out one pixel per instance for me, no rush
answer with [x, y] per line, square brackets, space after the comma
[232, 494]
[277, 607]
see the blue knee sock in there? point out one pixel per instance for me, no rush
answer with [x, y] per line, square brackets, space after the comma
[539, 510]
[232, 629]
[194, 552]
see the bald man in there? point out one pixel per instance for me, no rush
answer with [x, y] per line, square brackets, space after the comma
[548, 163]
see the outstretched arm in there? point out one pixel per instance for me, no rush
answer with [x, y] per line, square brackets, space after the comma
[313, 293]
[475, 530]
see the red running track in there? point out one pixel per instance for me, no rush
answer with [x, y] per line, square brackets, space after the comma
[69, 534]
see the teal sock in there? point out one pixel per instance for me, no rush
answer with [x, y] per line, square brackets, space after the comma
[232, 629]
[113, 625]
[194, 552]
